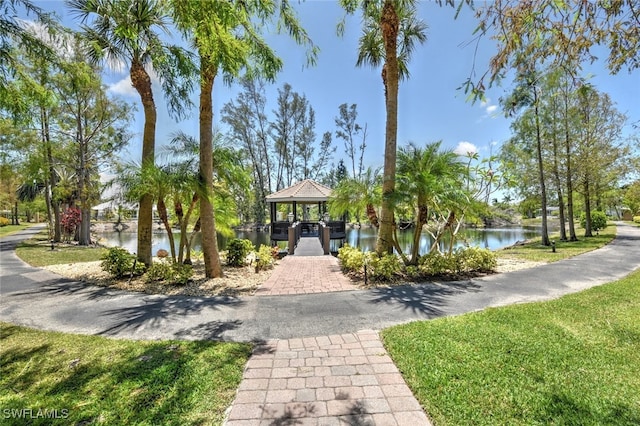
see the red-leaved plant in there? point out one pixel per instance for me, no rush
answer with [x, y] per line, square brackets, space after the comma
[70, 221]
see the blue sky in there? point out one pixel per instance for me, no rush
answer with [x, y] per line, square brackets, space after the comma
[431, 108]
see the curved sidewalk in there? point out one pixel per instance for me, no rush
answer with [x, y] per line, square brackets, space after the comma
[38, 298]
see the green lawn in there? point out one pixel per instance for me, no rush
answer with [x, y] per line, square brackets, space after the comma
[571, 361]
[90, 379]
[535, 251]
[12, 229]
[37, 252]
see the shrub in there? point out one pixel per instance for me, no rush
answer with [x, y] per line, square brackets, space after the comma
[237, 251]
[463, 260]
[436, 263]
[71, 219]
[172, 273]
[636, 219]
[4, 221]
[265, 258]
[119, 263]
[351, 258]
[598, 220]
[383, 268]
[476, 259]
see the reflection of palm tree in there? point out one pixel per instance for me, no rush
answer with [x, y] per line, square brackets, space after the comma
[124, 32]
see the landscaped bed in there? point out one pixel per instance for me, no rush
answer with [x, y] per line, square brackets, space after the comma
[570, 361]
[83, 264]
[54, 378]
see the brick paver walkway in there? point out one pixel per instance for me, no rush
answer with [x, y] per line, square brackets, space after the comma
[304, 275]
[345, 379]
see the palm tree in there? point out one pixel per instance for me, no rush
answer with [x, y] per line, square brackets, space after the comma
[427, 177]
[229, 177]
[390, 32]
[355, 195]
[126, 32]
[228, 42]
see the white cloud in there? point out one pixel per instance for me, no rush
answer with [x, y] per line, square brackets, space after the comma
[123, 87]
[465, 148]
[491, 109]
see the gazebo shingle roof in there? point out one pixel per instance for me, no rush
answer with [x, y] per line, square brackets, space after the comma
[303, 191]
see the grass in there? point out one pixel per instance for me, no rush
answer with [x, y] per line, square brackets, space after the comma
[90, 379]
[566, 362]
[12, 229]
[37, 252]
[534, 251]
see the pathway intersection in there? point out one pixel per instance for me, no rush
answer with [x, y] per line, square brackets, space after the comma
[318, 359]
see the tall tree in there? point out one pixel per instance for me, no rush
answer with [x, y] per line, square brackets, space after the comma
[15, 33]
[389, 35]
[128, 32]
[249, 127]
[228, 42]
[561, 34]
[94, 124]
[599, 133]
[348, 131]
[426, 177]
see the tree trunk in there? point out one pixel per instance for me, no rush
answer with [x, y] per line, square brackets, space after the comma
[421, 220]
[212, 266]
[389, 24]
[84, 238]
[184, 223]
[556, 173]
[196, 229]
[587, 208]
[142, 83]
[164, 217]
[14, 216]
[543, 189]
[371, 215]
[567, 145]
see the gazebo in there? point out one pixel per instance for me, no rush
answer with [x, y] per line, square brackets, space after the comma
[306, 214]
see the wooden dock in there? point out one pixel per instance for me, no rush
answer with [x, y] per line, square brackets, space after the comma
[309, 246]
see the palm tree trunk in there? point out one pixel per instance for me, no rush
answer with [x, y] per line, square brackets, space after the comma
[196, 229]
[184, 240]
[389, 23]
[423, 214]
[142, 83]
[371, 215]
[212, 266]
[164, 217]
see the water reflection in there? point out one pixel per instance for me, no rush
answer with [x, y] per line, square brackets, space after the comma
[364, 238]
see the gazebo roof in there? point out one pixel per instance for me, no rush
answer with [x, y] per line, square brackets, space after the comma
[303, 191]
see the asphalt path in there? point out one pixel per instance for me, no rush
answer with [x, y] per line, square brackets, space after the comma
[37, 298]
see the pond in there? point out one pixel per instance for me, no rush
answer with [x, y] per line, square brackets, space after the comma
[364, 238]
